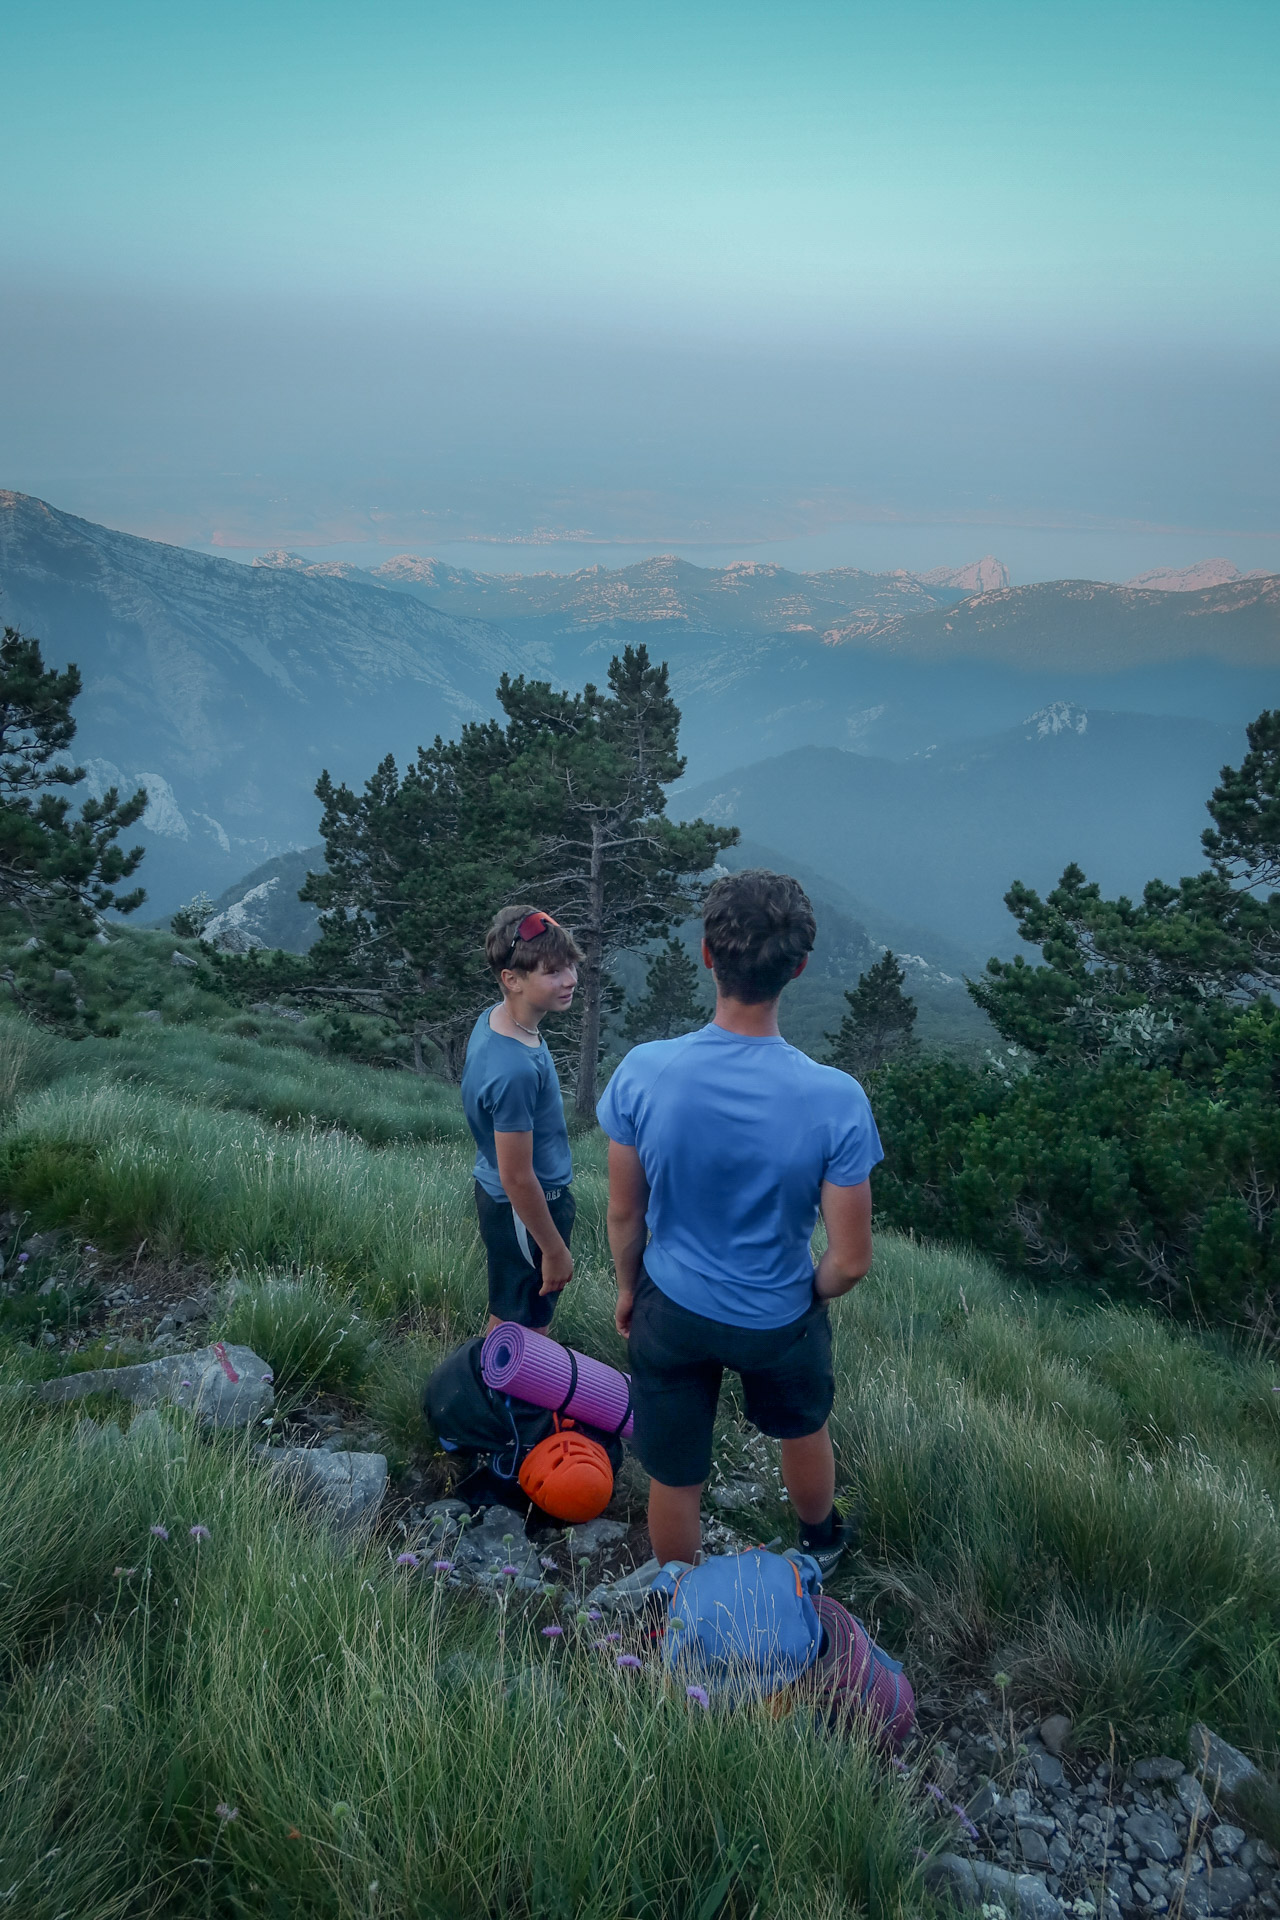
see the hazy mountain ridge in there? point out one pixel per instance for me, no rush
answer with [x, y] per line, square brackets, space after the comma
[1205, 573]
[225, 689]
[749, 596]
[938, 839]
[1090, 626]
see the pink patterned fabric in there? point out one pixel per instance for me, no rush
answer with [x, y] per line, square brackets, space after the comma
[855, 1677]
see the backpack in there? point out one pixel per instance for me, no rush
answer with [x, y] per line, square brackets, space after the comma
[855, 1679]
[745, 1624]
[470, 1417]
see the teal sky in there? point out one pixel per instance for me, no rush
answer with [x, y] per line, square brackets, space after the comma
[1049, 177]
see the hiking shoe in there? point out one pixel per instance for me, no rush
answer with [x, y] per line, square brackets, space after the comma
[845, 1538]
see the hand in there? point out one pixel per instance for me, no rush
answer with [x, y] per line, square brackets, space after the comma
[557, 1269]
[623, 1311]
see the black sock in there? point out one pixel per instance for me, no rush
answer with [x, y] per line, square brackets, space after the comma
[820, 1533]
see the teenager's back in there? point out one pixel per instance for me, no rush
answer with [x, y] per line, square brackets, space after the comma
[736, 1135]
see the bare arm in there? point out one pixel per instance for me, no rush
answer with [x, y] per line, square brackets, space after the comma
[628, 1234]
[514, 1153]
[846, 1213]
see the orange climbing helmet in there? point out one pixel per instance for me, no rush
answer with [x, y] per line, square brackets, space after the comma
[568, 1476]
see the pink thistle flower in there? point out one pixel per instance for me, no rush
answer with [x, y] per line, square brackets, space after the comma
[199, 1533]
[23, 1259]
[698, 1696]
[630, 1661]
[552, 1633]
[511, 1573]
[547, 1562]
[593, 1613]
[409, 1560]
[161, 1533]
[442, 1566]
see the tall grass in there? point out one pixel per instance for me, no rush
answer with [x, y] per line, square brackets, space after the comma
[386, 1747]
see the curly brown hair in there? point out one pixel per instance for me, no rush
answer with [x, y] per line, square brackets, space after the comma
[759, 927]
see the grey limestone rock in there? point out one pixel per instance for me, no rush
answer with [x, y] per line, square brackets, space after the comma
[151, 1013]
[1055, 1731]
[1155, 1837]
[1023, 1895]
[182, 960]
[1230, 1775]
[1191, 1794]
[733, 1494]
[594, 1535]
[1159, 1771]
[949, 1873]
[346, 1489]
[224, 1386]
[1048, 1769]
[1226, 1840]
[498, 1540]
[1218, 1892]
[1032, 1846]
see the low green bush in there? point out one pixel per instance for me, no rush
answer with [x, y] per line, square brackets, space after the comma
[313, 1342]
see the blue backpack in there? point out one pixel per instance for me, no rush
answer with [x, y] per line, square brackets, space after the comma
[742, 1624]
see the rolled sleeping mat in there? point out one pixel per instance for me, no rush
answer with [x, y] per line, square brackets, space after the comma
[855, 1677]
[527, 1365]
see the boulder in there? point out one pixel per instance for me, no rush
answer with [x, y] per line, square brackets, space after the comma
[1024, 1896]
[1220, 1891]
[182, 960]
[950, 1873]
[592, 1536]
[484, 1550]
[1160, 1771]
[223, 1386]
[1154, 1836]
[345, 1489]
[1230, 1776]
[1055, 1731]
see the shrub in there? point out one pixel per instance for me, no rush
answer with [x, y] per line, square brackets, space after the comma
[313, 1342]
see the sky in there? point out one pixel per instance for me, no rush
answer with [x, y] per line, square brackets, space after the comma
[841, 283]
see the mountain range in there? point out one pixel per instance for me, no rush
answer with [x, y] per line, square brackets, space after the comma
[226, 688]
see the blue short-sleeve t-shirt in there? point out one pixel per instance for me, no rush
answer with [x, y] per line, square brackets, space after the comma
[510, 1088]
[736, 1135]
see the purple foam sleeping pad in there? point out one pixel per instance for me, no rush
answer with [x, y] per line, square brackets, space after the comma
[530, 1367]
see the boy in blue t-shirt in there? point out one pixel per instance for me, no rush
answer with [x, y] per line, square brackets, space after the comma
[724, 1147]
[511, 1097]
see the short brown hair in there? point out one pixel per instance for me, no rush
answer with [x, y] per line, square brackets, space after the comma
[549, 950]
[759, 927]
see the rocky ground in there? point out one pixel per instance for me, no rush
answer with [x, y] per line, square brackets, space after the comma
[1028, 1826]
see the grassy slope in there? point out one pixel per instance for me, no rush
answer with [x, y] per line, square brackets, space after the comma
[1083, 1498]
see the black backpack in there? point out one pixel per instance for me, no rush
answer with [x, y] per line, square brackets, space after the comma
[469, 1417]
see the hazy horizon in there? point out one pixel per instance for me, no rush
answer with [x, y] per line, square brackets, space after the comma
[840, 286]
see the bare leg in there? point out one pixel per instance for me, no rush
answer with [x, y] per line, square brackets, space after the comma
[493, 1322]
[809, 1471]
[675, 1521]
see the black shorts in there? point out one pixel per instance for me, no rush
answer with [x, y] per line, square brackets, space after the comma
[678, 1359]
[515, 1258]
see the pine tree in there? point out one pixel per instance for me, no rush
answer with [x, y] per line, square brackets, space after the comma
[59, 870]
[670, 1004]
[879, 1021]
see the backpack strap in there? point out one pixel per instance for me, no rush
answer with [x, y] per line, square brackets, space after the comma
[573, 1380]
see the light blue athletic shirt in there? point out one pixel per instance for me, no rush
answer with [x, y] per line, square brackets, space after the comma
[736, 1136]
[510, 1088]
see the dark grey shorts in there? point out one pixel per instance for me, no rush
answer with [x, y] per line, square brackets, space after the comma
[678, 1359]
[515, 1258]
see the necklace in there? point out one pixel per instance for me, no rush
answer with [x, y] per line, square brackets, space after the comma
[531, 1031]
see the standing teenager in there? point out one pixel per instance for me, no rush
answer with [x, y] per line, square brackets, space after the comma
[511, 1097]
[724, 1147]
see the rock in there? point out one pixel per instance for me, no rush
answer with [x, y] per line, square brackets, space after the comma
[31, 946]
[1190, 1793]
[627, 1595]
[224, 1386]
[1160, 1771]
[1054, 1731]
[40, 1245]
[182, 960]
[345, 1488]
[1032, 1846]
[102, 939]
[152, 1013]
[63, 977]
[984, 1803]
[1230, 1776]
[1155, 1836]
[732, 1494]
[1022, 1895]
[948, 1873]
[496, 1541]
[1059, 1852]
[594, 1535]
[1217, 1892]
[1047, 1769]
[1226, 1840]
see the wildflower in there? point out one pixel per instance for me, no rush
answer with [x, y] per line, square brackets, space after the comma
[186, 1383]
[23, 1259]
[267, 1376]
[1002, 1680]
[340, 1810]
[409, 1560]
[965, 1821]
[630, 1660]
[937, 1792]
[698, 1695]
[225, 1813]
[593, 1613]
[295, 1833]
[511, 1573]
[161, 1533]
[552, 1633]
[442, 1566]
[124, 1573]
[199, 1533]
[547, 1562]
[88, 1248]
